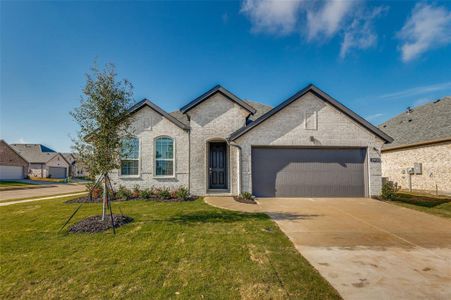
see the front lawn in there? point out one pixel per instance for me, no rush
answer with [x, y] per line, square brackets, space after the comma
[4, 185]
[172, 250]
[437, 205]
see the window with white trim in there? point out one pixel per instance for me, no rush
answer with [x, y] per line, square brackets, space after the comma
[130, 157]
[164, 156]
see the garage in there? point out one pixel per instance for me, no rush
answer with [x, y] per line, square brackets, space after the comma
[57, 172]
[11, 172]
[308, 172]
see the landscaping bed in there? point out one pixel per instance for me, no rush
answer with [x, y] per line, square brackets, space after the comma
[151, 194]
[95, 224]
[421, 199]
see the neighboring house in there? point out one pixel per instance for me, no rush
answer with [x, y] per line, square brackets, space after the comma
[43, 161]
[218, 144]
[76, 168]
[12, 164]
[420, 155]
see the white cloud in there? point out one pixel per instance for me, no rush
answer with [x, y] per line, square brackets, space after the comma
[22, 141]
[328, 19]
[317, 20]
[373, 117]
[277, 17]
[360, 34]
[418, 91]
[428, 27]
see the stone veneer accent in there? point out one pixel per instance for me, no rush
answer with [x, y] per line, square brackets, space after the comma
[436, 166]
[334, 128]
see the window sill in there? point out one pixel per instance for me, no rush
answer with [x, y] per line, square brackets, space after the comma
[129, 176]
[164, 177]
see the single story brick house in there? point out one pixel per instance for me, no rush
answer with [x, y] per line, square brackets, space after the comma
[310, 145]
[420, 155]
[43, 161]
[12, 164]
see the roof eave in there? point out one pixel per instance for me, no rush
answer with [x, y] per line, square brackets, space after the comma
[211, 92]
[147, 102]
[312, 88]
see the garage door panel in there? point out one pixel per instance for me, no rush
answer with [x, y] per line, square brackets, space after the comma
[57, 172]
[308, 172]
[11, 172]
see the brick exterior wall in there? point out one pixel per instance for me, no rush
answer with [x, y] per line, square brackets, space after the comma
[436, 167]
[217, 117]
[334, 128]
[213, 120]
[9, 157]
[148, 125]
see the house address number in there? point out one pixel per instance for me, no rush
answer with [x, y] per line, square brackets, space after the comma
[375, 160]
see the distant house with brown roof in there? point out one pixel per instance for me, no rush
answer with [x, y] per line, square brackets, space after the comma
[420, 155]
[43, 161]
[12, 164]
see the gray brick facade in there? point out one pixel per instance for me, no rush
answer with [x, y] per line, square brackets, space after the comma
[217, 117]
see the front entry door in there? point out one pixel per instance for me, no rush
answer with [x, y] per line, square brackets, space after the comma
[217, 166]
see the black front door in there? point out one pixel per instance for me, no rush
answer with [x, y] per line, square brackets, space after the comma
[217, 166]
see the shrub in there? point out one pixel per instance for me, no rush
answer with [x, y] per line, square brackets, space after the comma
[246, 196]
[164, 193]
[136, 191]
[182, 193]
[146, 194]
[389, 190]
[96, 191]
[123, 193]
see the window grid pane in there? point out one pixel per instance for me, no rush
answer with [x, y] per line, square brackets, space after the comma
[130, 149]
[164, 167]
[129, 167]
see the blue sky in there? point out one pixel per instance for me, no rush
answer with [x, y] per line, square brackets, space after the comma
[375, 57]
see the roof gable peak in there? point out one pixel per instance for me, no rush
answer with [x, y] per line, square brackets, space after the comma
[218, 89]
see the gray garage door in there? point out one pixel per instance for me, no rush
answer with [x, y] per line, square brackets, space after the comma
[308, 172]
[57, 172]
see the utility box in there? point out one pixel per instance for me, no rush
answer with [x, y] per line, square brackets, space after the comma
[418, 168]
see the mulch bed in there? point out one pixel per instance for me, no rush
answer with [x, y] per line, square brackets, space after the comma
[242, 200]
[95, 224]
[86, 199]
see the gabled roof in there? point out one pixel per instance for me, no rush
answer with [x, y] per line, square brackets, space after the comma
[146, 102]
[69, 157]
[425, 123]
[325, 97]
[34, 153]
[12, 149]
[214, 90]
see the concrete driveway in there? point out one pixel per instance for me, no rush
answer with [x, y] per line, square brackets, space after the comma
[368, 249]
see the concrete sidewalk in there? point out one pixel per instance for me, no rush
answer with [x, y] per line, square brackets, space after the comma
[55, 189]
[39, 199]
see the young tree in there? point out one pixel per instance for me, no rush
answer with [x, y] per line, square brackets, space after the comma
[104, 123]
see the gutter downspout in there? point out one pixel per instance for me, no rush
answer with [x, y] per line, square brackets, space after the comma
[238, 164]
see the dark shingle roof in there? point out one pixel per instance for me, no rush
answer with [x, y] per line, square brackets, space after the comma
[260, 108]
[34, 153]
[428, 122]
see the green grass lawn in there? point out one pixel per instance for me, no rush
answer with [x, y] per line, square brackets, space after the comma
[186, 250]
[12, 183]
[437, 205]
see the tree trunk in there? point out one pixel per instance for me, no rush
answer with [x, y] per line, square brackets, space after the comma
[105, 195]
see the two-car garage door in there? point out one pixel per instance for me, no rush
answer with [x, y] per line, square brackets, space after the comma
[308, 172]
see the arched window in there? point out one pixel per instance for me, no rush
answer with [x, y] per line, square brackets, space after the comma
[164, 156]
[130, 157]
